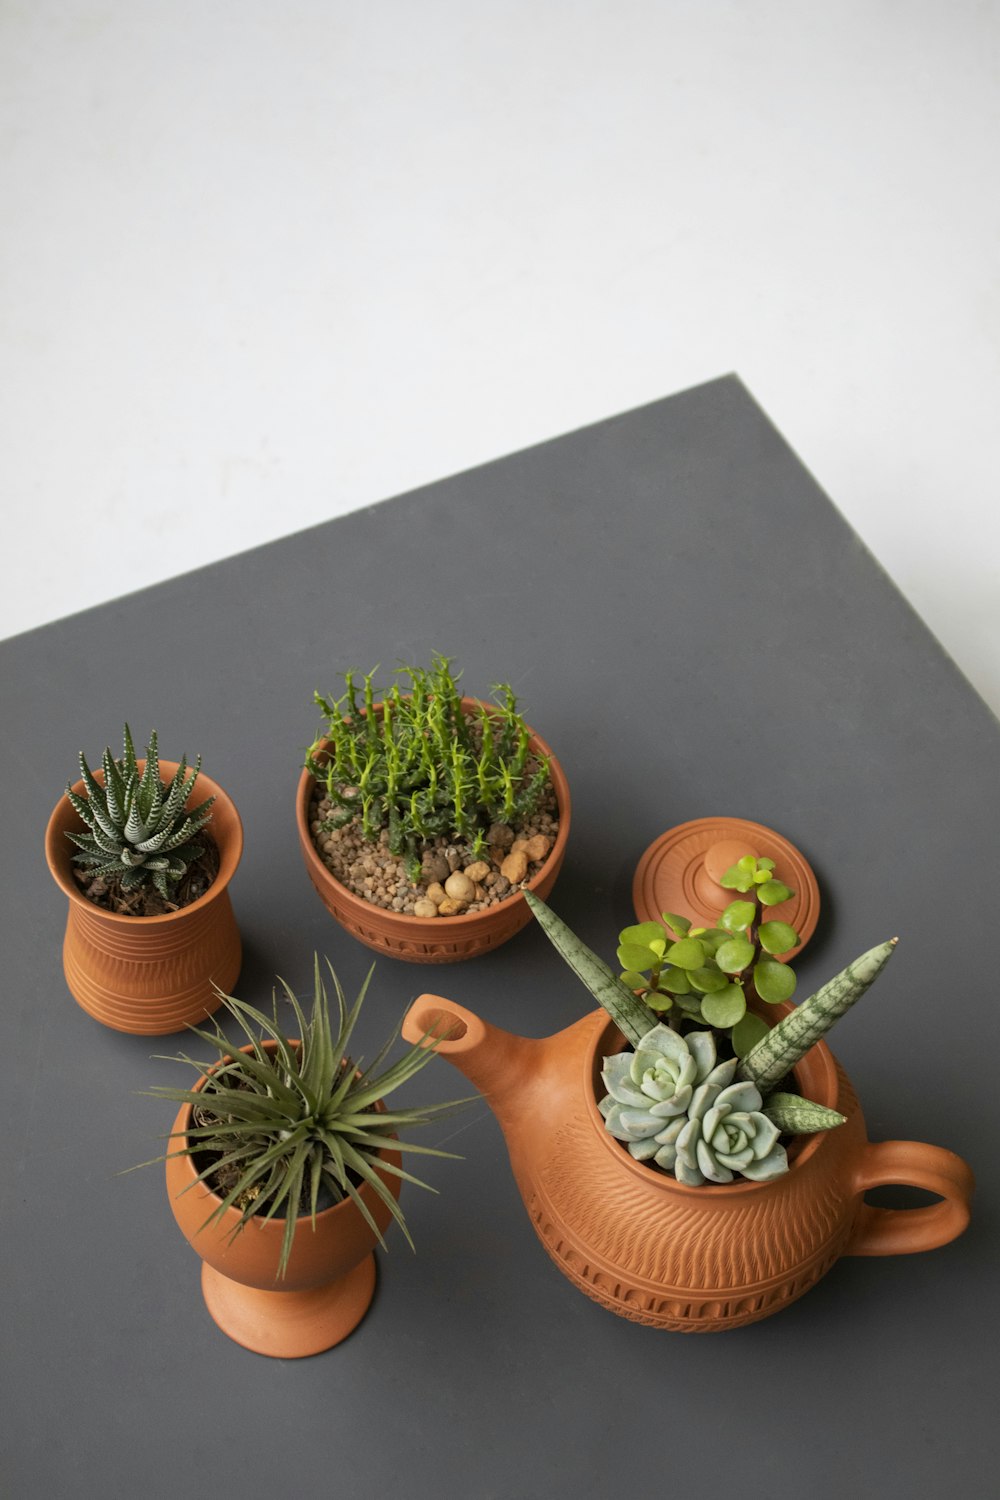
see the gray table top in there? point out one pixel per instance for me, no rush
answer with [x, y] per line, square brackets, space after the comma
[695, 629]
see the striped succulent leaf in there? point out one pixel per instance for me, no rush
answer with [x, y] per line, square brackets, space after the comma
[139, 828]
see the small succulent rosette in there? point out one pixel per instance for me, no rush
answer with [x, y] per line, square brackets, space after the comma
[674, 1105]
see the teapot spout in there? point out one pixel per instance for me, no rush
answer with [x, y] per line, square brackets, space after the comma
[501, 1065]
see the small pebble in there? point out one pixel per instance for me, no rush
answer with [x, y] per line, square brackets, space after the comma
[450, 908]
[515, 867]
[500, 835]
[422, 908]
[538, 847]
[477, 872]
[459, 887]
[436, 893]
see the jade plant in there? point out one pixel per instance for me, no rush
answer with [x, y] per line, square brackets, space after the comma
[704, 974]
[141, 831]
[674, 1104]
[290, 1127]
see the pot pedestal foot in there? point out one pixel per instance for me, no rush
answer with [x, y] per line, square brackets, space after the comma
[289, 1325]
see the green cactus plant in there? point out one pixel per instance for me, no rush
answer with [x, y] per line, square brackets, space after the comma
[420, 766]
[140, 829]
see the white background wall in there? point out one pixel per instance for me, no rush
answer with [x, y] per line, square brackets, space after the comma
[264, 261]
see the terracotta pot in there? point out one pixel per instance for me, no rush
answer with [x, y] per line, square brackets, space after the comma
[330, 1278]
[150, 975]
[432, 940]
[647, 1247]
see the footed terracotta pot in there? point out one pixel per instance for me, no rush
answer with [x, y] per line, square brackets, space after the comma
[691, 1259]
[328, 1284]
[432, 940]
[150, 976]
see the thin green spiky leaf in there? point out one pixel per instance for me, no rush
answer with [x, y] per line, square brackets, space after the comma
[631, 1015]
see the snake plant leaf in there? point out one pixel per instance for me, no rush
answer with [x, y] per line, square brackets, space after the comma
[632, 1017]
[798, 1116]
[790, 1040]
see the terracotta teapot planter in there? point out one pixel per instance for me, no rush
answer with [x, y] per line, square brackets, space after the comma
[328, 1284]
[150, 976]
[434, 940]
[691, 1259]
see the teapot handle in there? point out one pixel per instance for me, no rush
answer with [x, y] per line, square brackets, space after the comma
[904, 1231]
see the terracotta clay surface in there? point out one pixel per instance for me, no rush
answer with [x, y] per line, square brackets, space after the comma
[150, 976]
[696, 1260]
[680, 871]
[437, 940]
[329, 1281]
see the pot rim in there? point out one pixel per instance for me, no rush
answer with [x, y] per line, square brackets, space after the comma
[58, 852]
[464, 921]
[816, 1075]
[229, 1220]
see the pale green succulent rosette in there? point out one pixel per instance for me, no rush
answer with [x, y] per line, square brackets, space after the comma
[651, 1089]
[725, 1135]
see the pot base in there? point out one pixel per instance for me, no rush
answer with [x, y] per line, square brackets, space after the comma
[289, 1325]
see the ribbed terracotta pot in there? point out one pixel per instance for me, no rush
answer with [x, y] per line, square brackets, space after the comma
[150, 976]
[433, 940]
[691, 1259]
[328, 1284]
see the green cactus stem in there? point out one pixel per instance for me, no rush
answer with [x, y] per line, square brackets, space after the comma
[788, 1042]
[631, 1015]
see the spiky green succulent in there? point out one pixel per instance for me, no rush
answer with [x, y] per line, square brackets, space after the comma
[294, 1127]
[418, 766]
[141, 829]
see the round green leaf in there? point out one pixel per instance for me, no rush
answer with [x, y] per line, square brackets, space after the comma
[676, 923]
[634, 979]
[674, 981]
[736, 879]
[773, 892]
[747, 1033]
[734, 956]
[724, 1008]
[632, 956]
[774, 981]
[707, 980]
[738, 915]
[712, 939]
[659, 1003]
[690, 1005]
[765, 864]
[646, 934]
[689, 953]
[777, 937]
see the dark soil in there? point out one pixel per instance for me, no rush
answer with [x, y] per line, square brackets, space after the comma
[145, 900]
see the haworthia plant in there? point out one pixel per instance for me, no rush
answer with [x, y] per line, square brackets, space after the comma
[140, 829]
[789, 1041]
[631, 1015]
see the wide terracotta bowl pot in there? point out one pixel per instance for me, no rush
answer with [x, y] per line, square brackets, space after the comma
[691, 1259]
[433, 940]
[150, 976]
[328, 1284]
